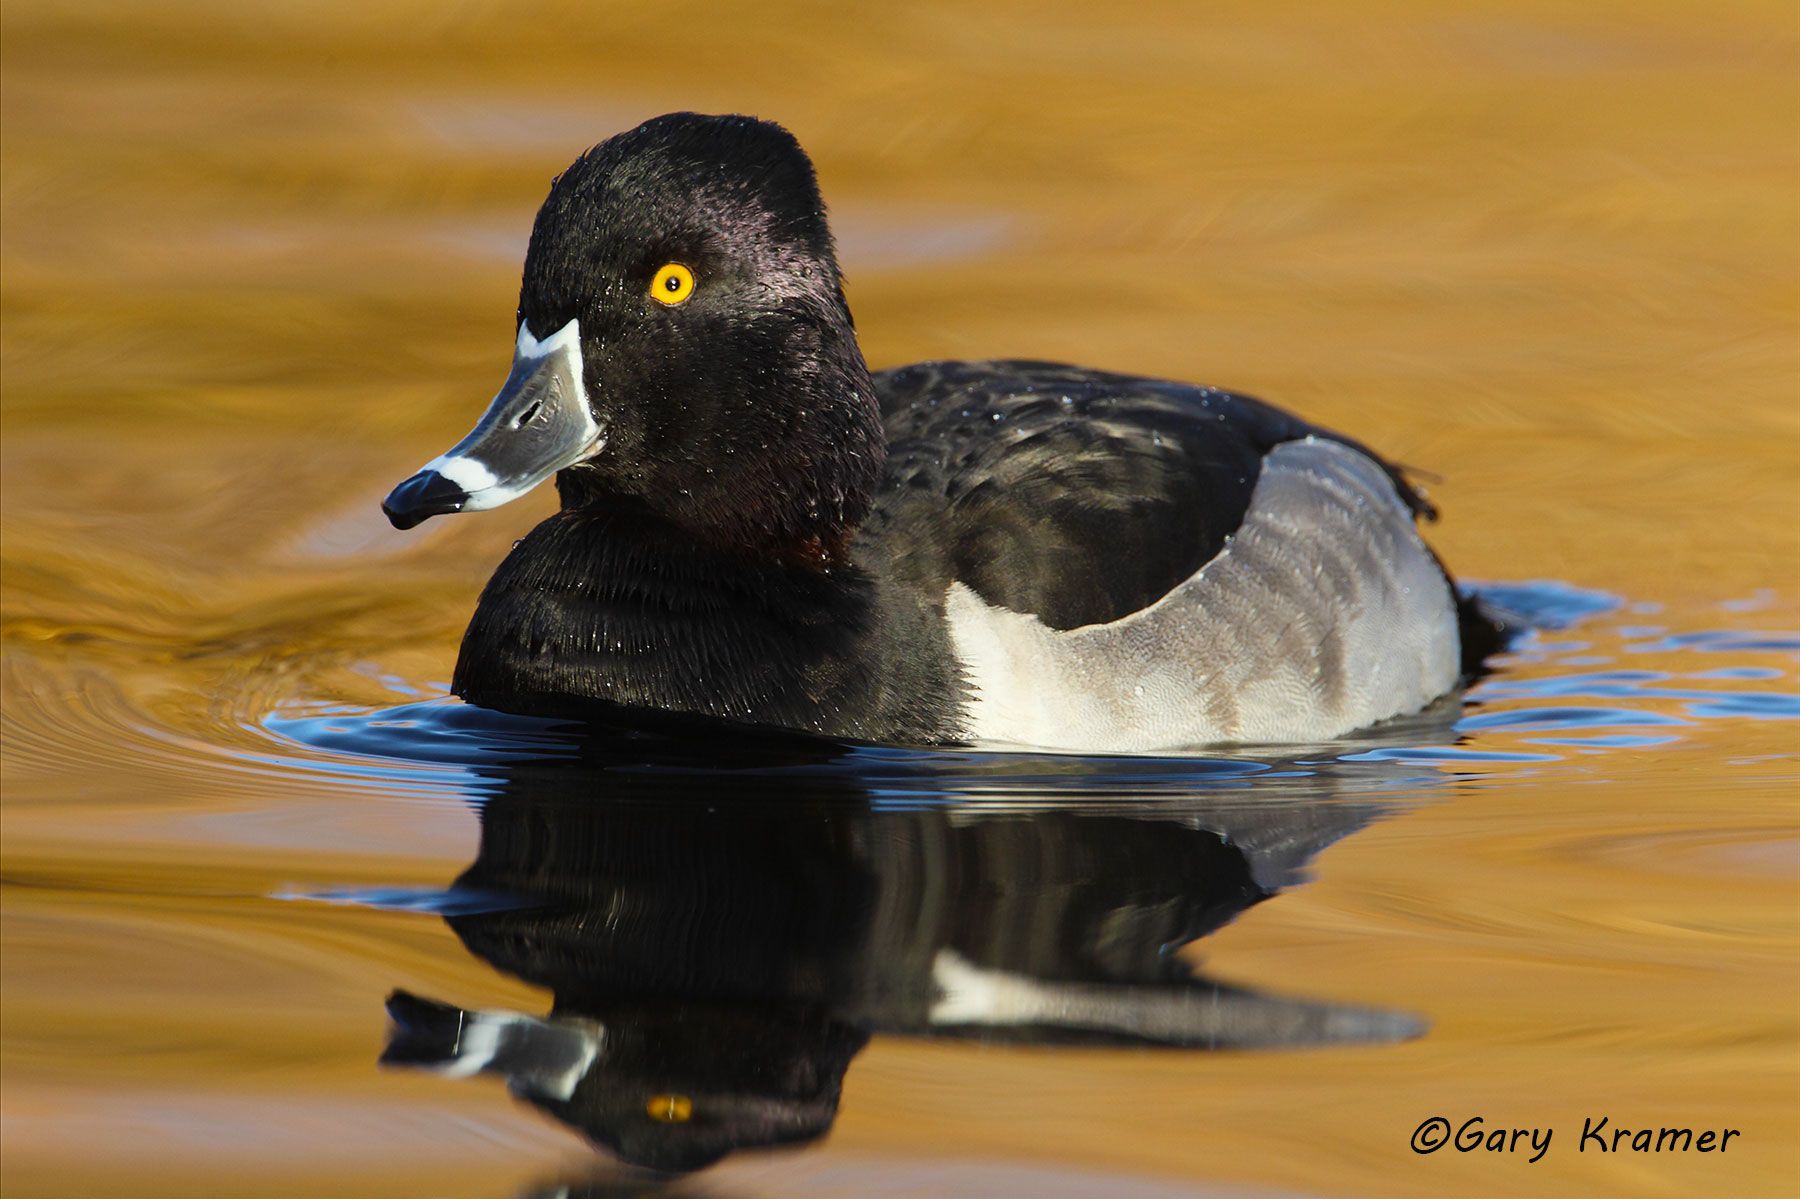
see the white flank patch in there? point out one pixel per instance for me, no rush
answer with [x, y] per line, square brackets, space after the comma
[1324, 613]
[971, 995]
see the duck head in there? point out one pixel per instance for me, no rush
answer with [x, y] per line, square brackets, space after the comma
[683, 349]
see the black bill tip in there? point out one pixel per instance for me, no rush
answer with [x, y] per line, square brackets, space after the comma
[426, 494]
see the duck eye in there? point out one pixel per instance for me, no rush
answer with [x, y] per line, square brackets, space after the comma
[669, 1109]
[673, 284]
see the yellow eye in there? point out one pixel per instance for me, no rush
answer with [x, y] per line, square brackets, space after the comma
[673, 284]
[670, 1109]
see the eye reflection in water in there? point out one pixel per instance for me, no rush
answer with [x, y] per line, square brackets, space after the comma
[722, 941]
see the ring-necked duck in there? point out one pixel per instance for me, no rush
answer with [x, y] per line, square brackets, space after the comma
[755, 527]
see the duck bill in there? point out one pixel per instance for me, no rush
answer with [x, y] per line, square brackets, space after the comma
[538, 424]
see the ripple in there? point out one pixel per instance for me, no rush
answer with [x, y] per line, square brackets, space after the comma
[1546, 603]
[1756, 705]
[1721, 642]
[1535, 719]
[440, 731]
[1748, 673]
[1445, 755]
[1611, 741]
[1697, 703]
[440, 901]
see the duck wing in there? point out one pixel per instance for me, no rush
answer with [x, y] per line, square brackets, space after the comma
[1074, 496]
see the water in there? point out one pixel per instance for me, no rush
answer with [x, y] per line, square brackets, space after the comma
[259, 263]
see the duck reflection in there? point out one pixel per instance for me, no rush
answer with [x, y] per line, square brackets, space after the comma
[718, 959]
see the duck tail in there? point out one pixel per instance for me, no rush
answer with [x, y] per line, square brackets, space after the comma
[1486, 630]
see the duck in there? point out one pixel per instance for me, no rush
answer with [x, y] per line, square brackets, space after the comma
[757, 530]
